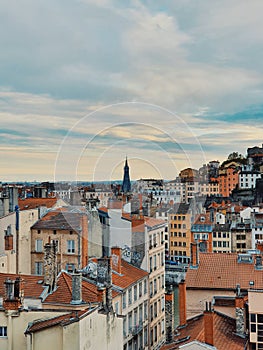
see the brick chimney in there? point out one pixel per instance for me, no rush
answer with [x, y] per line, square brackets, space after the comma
[14, 294]
[182, 303]
[76, 288]
[50, 266]
[209, 324]
[194, 254]
[116, 259]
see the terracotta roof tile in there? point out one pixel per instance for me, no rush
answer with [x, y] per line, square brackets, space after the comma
[63, 293]
[33, 287]
[129, 275]
[32, 203]
[224, 337]
[223, 271]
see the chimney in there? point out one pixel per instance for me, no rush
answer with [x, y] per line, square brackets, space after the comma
[240, 301]
[50, 266]
[182, 303]
[76, 288]
[116, 259]
[209, 324]
[194, 254]
[14, 294]
[169, 315]
[104, 279]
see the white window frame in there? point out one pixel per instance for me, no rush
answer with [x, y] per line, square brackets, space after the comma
[70, 246]
[39, 245]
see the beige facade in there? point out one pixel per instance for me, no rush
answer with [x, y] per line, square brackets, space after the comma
[156, 285]
[92, 331]
[68, 247]
[14, 323]
[134, 308]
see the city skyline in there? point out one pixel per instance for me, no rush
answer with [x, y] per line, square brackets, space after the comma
[87, 83]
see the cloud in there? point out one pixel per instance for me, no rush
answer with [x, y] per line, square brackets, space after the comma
[193, 71]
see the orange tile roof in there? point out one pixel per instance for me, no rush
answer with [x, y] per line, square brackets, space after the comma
[129, 275]
[223, 271]
[32, 203]
[224, 337]
[63, 293]
[33, 287]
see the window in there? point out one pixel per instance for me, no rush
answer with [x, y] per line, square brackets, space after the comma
[39, 245]
[130, 321]
[145, 336]
[145, 310]
[3, 331]
[38, 268]
[71, 246]
[163, 302]
[56, 241]
[70, 267]
[135, 293]
[125, 326]
[140, 289]
[140, 313]
[145, 286]
[130, 296]
[124, 300]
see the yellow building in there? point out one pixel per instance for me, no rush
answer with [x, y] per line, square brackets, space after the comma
[179, 227]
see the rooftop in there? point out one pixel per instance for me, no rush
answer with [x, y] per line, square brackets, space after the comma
[33, 203]
[60, 219]
[224, 337]
[224, 271]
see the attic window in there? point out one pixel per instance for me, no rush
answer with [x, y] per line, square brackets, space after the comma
[54, 232]
[202, 218]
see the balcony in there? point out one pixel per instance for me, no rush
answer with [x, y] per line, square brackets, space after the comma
[137, 329]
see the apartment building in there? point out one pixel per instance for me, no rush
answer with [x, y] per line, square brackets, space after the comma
[179, 227]
[228, 179]
[156, 234]
[68, 229]
[222, 242]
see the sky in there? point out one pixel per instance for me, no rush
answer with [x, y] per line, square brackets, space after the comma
[85, 83]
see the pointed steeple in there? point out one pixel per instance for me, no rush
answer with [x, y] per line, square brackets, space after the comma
[126, 183]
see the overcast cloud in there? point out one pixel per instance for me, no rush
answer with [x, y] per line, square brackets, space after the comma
[200, 62]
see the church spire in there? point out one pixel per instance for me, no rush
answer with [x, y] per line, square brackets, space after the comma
[126, 183]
